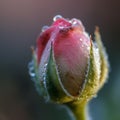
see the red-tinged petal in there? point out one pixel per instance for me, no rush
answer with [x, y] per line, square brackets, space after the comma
[47, 34]
[71, 50]
[62, 22]
[42, 41]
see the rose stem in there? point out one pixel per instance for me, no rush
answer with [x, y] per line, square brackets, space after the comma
[79, 110]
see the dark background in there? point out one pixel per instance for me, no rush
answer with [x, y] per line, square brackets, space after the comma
[20, 24]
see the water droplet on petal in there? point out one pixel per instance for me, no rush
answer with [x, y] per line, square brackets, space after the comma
[82, 46]
[88, 48]
[57, 17]
[81, 39]
[61, 27]
[73, 21]
[48, 49]
[78, 23]
[44, 74]
[45, 28]
[45, 67]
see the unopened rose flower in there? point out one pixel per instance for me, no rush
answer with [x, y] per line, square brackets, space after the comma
[67, 65]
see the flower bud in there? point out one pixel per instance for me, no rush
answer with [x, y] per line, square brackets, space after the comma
[67, 65]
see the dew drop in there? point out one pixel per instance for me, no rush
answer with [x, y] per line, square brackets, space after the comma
[77, 23]
[82, 46]
[44, 80]
[31, 69]
[97, 59]
[45, 65]
[45, 28]
[44, 74]
[81, 39]
[61, 27]
[48, 49]
[73, 21]
[87, 100]
[95, 96]
[78, 99]
[57, 17]
[32, 73]
[88, 48]
[90, 82]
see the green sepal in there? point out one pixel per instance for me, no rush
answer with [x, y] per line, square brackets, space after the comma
[92, 79]
[35, 65]
[103, 58]
[55, 89]
[40, 87]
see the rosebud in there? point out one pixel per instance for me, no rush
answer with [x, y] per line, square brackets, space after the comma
[67, 65]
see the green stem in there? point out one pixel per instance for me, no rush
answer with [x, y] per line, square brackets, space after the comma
[79, 110]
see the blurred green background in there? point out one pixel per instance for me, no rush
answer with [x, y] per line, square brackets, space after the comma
[20, 24]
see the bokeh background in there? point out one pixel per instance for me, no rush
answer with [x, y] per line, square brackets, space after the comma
[20, 24]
